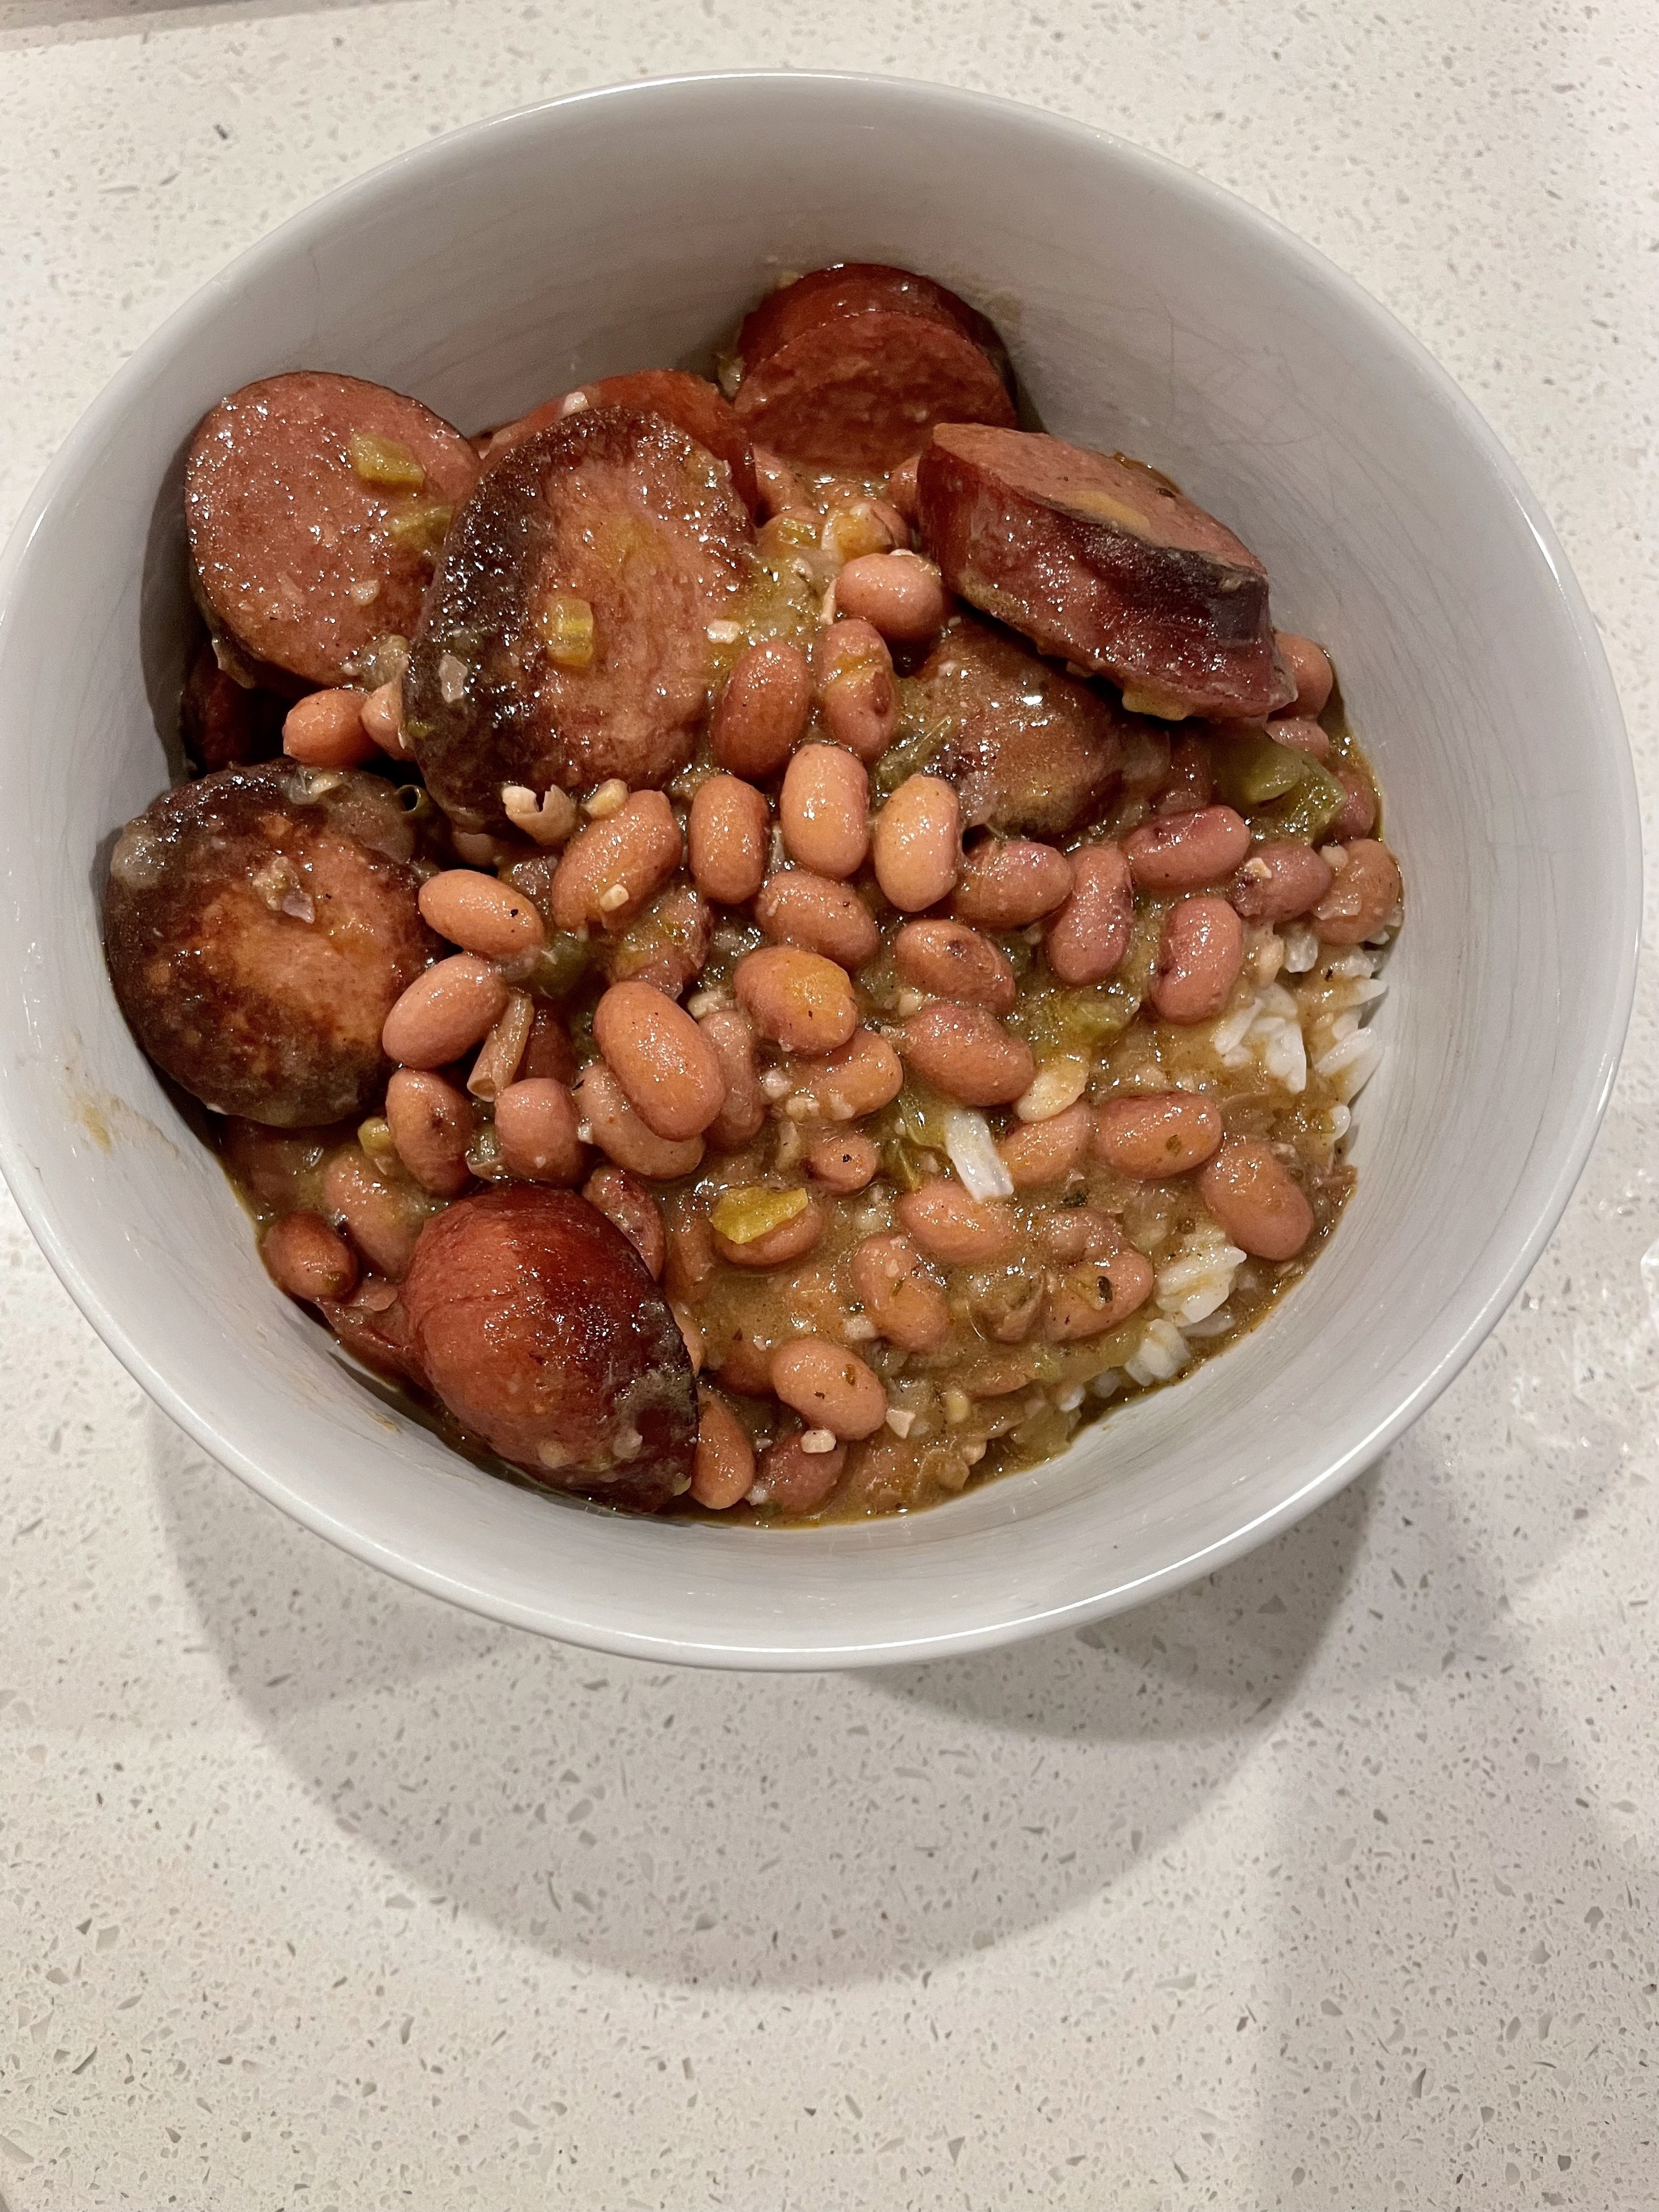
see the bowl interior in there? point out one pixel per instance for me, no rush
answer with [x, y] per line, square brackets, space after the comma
[1145, 311]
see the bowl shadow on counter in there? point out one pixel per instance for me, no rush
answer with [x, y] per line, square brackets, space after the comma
[692, 1827]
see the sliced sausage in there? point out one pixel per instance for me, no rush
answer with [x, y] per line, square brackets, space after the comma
[850, 367]
[539, 1326]
[692, 401]
[315, 505]
[1026, 747]
[259, 925]
[1101, 559]
[224, 724]
[565, 639]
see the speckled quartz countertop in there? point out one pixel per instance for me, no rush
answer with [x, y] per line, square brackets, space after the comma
[1334, 1882]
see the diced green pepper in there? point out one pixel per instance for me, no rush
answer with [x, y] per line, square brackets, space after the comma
[1311, 808]
[1254, 770]
[559, 965]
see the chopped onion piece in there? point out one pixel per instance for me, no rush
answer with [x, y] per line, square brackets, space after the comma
[974, 1154]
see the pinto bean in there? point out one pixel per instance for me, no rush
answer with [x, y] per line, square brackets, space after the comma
[1365, 893]
[916, 843]
[1199, 959]
[690, 1261]
[857, 694]
[898, 1298]
[959, 1230]
[799, 1000]
[951, 960]
[1010, 883]
[731, 1038]
[1256, 1199]
[780, 489]
[794, 1479]
[325, 730]
[791, 1240]
[1357, 815]
[967, 1054]
[762, 712]
[724, 1471]
[1089, 935]
[382, 1222]
[445, 1012]
[610, 869]
[796, 906]
[902, 487]
[1159, 1133]
[824, 810]
[481, 914]
[1308, 669]
[1081, 1232]
[308, 1259]
[726, 833]
[432, 1124]
[548, 1049]
[691, 1329]
[383, 718]
[828, 1387]
[1280, 880]
[1096, 1295]
[668, 1068]
[1183, 852]
[1038, 1152]
[900, 595]
[625, 1136]
[1190, 787]
[855, 527]
[863, 1077]
[536, 1130]
[844, 1164]
[623, 1199]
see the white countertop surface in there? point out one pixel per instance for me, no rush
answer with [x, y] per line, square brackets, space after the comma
[1334, 1882]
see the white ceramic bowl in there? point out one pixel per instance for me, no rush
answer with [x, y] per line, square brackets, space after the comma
[1146, 311]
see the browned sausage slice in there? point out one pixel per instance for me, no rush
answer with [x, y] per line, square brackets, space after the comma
[221, 722]
[698, 406]
[1027, 747]
[850, 367]
[316, 505]
[259, 924]
[565, 639]
[1102, 561]
[539, 1325]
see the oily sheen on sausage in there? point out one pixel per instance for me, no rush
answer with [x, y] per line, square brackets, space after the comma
[258, 926]
[1101, 560]
[849, 367]
[539, 1325]
[315, 505]
[700, 408]
[1027, 747]
[565, 639]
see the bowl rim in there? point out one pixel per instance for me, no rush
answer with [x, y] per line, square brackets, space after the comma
[1493, 1281]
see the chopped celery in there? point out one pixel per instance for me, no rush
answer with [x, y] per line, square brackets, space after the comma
[384, 461]
[566, 623]
[744, 1216]
[899, 1164]
[419, 526]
